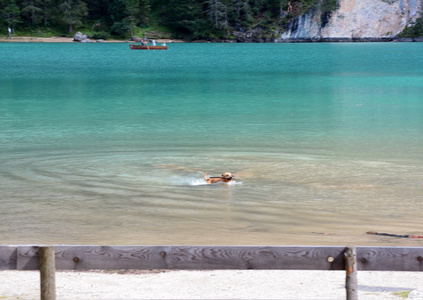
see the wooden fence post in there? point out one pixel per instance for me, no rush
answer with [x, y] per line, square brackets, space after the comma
[351, 284]
[47, 273]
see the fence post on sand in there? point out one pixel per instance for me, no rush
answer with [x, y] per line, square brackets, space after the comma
[47, 273]
[351, 284]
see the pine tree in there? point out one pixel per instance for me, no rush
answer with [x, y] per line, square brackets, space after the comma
[133, 11]
[32, 12]
[145, 10]
[186, 18]
[11, 13]
[47, 10]
[242, 12]
[217, 12]
[73, 12]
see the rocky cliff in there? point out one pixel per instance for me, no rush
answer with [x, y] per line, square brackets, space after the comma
[356, 19]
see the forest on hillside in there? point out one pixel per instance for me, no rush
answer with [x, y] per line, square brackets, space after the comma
[187, 19]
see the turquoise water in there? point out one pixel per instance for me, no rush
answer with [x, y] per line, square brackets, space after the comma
[103, 145]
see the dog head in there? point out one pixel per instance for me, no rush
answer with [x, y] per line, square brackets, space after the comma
[227, 176]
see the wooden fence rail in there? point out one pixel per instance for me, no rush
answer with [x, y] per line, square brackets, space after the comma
[349, 259]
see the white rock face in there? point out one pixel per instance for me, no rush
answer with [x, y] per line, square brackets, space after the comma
[358, 19]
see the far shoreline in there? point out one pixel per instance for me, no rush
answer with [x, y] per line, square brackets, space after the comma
[30, 39]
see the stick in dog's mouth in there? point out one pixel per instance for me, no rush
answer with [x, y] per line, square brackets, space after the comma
[225, 177]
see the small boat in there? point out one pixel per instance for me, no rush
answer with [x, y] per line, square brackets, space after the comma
[146, 47]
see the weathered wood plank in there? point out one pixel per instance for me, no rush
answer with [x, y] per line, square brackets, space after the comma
[214, 257]
[300, 258]
[8, 257]
[27, 258]
[189, 257]
[110, 257]
[197, 257]
[390, 258]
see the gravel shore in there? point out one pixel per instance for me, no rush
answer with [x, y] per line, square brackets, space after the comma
[29, 39]
[232, 284]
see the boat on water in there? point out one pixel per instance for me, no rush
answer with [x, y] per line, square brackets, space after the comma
[146, 47]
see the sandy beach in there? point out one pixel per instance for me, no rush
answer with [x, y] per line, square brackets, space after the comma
[29, 39]
[233, 284]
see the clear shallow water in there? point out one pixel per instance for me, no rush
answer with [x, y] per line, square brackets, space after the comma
[103, 145]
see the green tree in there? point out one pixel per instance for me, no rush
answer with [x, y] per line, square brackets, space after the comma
[217, 12]
[11, 13]
[145, 11]
[133, 12]
[32, 12]
[327, 7]
[48, 10]
[417, 29]
[105, 12]
[73, 12]
[242, 12]
[186, 18]
[278, 8]
[116, 11]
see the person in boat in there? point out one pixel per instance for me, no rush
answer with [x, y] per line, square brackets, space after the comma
[154, 42]
[164, 44]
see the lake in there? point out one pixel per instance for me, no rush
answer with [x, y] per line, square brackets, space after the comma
[100, 144]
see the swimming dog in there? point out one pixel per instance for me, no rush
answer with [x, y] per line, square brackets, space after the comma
[225, 178]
